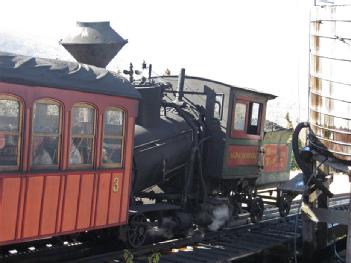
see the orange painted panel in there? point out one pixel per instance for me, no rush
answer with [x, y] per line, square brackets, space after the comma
[69, 213]
[9, 198]
[276, 158]
[32, 206]
[103, 193]
[115, 198]
[50, 203]
[125, 197]
[85, 201]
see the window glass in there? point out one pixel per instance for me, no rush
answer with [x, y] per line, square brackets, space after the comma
[9, 133]
[112, 151]
[83, 132]
[9, 115]
[113, 120]
[46, 133]
[83, 120]
[239, 116]
[254, 120]
[113, 137]
[218, 106]
[255, 110]
[46, 118]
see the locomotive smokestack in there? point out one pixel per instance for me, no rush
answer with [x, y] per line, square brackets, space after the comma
[93, 43]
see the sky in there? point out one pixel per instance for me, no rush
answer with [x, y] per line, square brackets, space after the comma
[253, 43]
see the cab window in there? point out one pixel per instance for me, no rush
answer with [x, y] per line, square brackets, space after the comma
[112, 148]
[46, 133]
[246, 118]
[82, 135]
[254, 118]
[10, 115]
[239, 116]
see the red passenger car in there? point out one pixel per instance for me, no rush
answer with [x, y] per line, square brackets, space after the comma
[66, 138]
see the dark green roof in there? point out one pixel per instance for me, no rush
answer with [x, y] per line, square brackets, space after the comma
[66, 75]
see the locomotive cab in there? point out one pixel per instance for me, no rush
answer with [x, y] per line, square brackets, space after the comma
[238, 148]
[240, 159]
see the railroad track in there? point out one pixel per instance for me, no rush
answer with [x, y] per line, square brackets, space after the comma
[229, 244]
[240, 240]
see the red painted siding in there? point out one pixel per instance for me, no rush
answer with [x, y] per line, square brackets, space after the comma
[85, 201]
[102, 199]
[70, 202]
[115, 198]
[55, 204]
[33, 199]
[50, 205]
[9, 198]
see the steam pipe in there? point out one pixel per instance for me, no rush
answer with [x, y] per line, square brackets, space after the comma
[181, 80]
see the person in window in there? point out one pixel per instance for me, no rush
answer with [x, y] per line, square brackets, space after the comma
[75, 157]
[41, 155]
[111, 152]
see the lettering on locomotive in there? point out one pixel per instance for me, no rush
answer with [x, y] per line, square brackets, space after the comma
[239, 155]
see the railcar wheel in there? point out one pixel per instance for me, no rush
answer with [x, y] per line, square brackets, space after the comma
[284, 204]
[137, 230]
[256, 209]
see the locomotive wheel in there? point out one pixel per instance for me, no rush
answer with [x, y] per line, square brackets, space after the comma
[256, 209]
[137, 230]
[284, 204]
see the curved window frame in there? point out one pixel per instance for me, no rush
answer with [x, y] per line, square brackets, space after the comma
[58, 135]
[122, 138]
[18, 133]
[93, 137]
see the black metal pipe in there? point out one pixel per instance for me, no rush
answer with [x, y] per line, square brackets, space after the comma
[306, 169]
[181, 85]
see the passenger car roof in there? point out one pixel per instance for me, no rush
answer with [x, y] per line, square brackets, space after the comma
[54, 73]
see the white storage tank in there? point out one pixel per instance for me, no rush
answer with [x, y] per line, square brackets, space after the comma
[330, 79]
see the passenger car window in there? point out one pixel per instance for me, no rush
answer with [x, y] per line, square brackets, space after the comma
[112, 148]
[82, 135]
[46, 133]
[239, 116]
[10, 115]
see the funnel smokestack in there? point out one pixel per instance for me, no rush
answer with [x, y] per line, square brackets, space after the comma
[93, 43]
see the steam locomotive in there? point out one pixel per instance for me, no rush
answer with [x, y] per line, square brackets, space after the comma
[84, 149]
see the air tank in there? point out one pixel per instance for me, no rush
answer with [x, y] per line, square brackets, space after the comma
[330, 79]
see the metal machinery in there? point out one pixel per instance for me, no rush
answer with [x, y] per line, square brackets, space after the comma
[329, 129]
